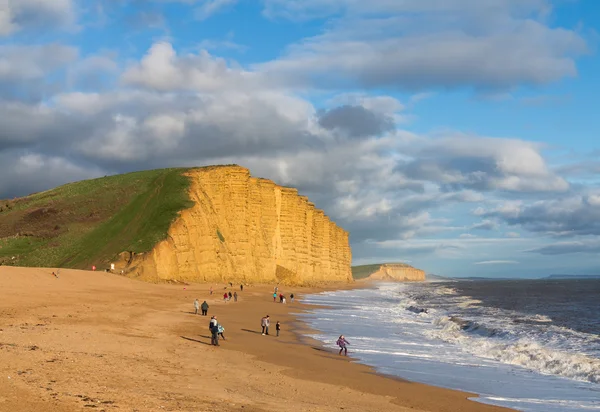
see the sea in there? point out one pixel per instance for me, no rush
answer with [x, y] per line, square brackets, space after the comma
[530, 345]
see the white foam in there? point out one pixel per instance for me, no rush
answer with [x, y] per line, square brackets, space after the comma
[509, 368]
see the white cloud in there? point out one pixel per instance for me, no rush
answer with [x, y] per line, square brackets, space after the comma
[423, 45]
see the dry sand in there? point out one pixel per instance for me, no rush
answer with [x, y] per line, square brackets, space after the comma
[96, 341]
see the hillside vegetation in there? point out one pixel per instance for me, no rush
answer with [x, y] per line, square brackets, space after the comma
[90, 222]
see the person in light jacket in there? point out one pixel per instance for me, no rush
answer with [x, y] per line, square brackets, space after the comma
[196, 306]
[265, 322]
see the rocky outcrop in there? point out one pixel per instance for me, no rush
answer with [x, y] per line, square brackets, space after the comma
[246, 229]
[398, 272]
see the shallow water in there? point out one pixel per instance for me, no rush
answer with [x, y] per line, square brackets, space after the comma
[521, 351]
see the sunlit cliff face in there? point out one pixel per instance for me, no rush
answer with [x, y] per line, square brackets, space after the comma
[245, 229]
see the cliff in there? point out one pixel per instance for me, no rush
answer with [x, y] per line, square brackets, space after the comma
[245, 229]
[394, 272]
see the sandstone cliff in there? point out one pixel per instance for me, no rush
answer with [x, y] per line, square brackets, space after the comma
[397, 272]
[246, 229]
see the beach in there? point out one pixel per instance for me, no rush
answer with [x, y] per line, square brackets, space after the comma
[94, 340]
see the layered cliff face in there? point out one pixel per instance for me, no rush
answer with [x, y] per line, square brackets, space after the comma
[398, 273]
[246, 229]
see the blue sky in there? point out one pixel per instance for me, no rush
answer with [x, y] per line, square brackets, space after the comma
[460, 136]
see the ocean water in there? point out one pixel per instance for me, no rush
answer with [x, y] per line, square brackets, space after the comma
[531, 345]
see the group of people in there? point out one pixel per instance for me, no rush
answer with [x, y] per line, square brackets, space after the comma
[266, 322]
[282, 298]
[203, 307]
[217, 330]
[228, 296]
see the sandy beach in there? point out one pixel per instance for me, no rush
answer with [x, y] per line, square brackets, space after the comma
[97, 341]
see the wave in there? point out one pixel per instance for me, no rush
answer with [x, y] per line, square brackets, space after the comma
[487, 343]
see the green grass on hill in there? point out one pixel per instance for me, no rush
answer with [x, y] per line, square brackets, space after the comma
[364, 271]
[91, 222]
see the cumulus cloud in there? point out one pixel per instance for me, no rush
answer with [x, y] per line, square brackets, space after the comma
[484, 164]
[356, 121]
[567, 216]
[422, 45]
[23, 69]
[16, 15]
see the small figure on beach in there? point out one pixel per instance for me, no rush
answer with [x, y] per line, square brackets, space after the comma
[276, 289]
[278, 327]
[211, 290]
[274, 296]
[283, 300]
[235, 296]
[264, 323]
[204, 308]
[196, 306]
[292, 298]
[241, 288]
[220, 330]
[342, 342]
[55, 275]
[230, 284]
[230, 295]
[225, 296]
[213, 326]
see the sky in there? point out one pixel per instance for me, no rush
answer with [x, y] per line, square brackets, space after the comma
[459, 136]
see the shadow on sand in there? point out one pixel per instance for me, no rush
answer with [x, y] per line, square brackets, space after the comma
[252, 331]
[196, 340]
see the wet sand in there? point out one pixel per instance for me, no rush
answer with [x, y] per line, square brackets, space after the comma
[96, 341]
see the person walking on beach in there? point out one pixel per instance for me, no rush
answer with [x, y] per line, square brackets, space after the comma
[230, 295]
[235, 296]
[204, 308]
[213, 326]
[265, 322]
[278, 327]
[225, 297]
[211, 290]
[241, 288]
[283, 300]
[292, 298]
[342, 342]
[196, 306]
[274, 296]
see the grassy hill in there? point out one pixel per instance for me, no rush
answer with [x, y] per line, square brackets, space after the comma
[92, 221]
[364, 271]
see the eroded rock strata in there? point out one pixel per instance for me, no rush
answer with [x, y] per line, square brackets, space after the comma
[246, 229]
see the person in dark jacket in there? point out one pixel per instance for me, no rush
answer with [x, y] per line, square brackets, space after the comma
[204, 308]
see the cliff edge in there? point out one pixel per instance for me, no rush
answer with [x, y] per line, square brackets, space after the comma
[390, 272]
[245, 229]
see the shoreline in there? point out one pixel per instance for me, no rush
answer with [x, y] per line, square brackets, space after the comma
[97, 340]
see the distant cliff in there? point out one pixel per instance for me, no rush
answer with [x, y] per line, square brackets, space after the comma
[245, 229]
[393, 272]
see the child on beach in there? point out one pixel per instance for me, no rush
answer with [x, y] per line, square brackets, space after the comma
[220, 330]
[278, 327]
[275, 297]
[342, 342]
